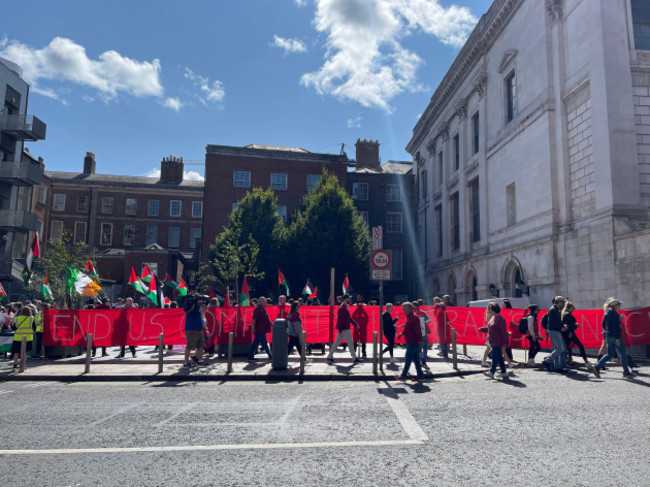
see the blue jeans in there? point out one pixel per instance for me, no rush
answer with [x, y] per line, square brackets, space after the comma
[557, 358]
[425, 346]
[412, 355]
[611, 351]
[260, 339]
[497, 360]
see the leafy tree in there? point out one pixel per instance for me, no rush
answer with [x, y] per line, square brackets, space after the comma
[230, 260]
[327, 231]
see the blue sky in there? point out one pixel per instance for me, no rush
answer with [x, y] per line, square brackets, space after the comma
[134, 81]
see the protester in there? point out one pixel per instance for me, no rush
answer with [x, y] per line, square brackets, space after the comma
[442, 327]
[389, 330]
[24, 322]
[412, 334]
[343, 321]
[360, 315]
[532, 311]
[425, 330]
[556, 361]
[5, 318]
[612, 328]
[498, 338]
[193, 330]
[447, 300]
[294, 327]
[260, 327]
[104, 305]
[283, 312]
[128, 305]
[569, 333]
[488, 316]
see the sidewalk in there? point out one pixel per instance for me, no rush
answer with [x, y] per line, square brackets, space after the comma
[145, 367]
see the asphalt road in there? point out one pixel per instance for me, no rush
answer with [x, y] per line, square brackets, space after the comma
[534, 429]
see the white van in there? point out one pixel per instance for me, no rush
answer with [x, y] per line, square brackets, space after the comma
[517, 303]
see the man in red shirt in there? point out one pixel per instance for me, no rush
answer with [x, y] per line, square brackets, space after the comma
[343, 320]
[261, 326]
[412, 334]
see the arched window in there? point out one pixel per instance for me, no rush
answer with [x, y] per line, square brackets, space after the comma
[451, 288]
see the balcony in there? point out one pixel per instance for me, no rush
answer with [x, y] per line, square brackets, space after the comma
[23, 172]
[18, 220]
[23, 127]
[11, 269]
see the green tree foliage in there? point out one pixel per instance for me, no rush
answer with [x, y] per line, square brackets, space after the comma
[327, 231]
[231, 260]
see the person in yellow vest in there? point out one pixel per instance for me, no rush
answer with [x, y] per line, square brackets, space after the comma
[38, 332]
[24, 323]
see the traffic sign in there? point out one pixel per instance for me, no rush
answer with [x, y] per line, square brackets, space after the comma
[381, 265]
[377, 238]
[380, 275]
[380, 259]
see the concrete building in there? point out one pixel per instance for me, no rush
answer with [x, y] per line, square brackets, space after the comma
[532, 159]
[18, 175]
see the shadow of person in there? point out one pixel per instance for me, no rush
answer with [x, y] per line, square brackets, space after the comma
[512, 382]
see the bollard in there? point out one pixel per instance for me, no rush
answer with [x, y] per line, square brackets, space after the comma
[231, 338]
[23, 354]
[161, 347]
[453, 350]
[374, 353]
[303, 340]
[465, 349]
[89, 350]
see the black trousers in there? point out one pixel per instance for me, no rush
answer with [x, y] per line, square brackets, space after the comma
[574, 339]
[533, 348]
[391, 345]
[131, 348]
[294, 341]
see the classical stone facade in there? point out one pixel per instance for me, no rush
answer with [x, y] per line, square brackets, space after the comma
[533, 157]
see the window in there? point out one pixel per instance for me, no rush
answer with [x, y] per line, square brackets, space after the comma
[56, 230]
[511, 97]
[79, 232]
[195, 234]
[42, 195]
[197, 209]
[153, 208]
[107, 205]
[438, 216]
[423, 184]
[174, 237]
[475, 132]
[151, 235]
[360, 191]
[393, 192]
[106, 234]
[128, 237]
[440, 167]
[394, 222]
[364, 217]
[82, 204]
[511, 204]
[279, 180]
[39, 230]
[131, 208]
[455, 222]
[456, 152]
[59, 202]
[398, 267]
[241, 179]
[476, 211]
[282, 211]
[312, 181]
[641, 24]
[175, 208]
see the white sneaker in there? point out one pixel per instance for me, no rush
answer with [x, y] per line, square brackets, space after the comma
[484, 364]
[531, 362]
[489, 374]
[392, 361]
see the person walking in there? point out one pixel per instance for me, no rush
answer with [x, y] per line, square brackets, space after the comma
[260, 327]
[24, 328]
[412, 334]
[360, 316]
[343, 321]
[294, 327]
[425, 331]
[498, 338]
[569, 334]
[442, 326]
[488, 348]
[532, 311]
[388, 323]
[556, 361]
[612, 329]
[193, 330]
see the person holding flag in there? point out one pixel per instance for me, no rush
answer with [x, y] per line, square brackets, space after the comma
[346, 285]
[34, 253]
[282, 281]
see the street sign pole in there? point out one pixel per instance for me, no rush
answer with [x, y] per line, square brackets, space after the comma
[381, 325]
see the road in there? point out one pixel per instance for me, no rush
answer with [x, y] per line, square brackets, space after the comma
[534, 429]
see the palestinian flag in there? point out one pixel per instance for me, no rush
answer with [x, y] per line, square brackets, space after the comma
[146, 275]
[314, 294]
[282, 281]
[153, 292]
[3, 293]
[170, 282]
[137, 284]
[346, 284]
[244, 295]
[90, 269]
[46, 291]
[308, 289]
[81, 283]
[180, 290]
[34, 252]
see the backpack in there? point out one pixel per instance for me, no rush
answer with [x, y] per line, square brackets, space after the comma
[523, 325]
[545, 321]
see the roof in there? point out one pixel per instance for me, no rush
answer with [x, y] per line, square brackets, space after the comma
[276, 148]
[112, 180]
[391, 167]
[275, 152]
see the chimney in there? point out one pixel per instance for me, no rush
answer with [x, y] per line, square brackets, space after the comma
[367, 154]
[171, 169]
[89, 163]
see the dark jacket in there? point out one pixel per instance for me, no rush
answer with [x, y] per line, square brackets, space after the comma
[498, 331]
[612, 323]
[554, 319]
[570, 321]
[389, 324]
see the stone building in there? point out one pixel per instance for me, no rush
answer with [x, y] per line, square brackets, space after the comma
[532, 159]
[18, 174]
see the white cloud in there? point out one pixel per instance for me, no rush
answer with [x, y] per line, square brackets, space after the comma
[354, 123]
[300, 3]
[365, 61]
[289, 45]
[208, 93]
[64, 60]
[187, 175]
[173, 103]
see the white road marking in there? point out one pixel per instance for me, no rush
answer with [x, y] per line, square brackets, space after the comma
[406, 419]
[119, 411]
[5, 392]
[194, 448]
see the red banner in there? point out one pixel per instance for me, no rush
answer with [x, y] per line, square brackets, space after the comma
[143, 326]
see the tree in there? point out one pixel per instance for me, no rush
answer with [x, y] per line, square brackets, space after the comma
[327, 231]
[230, 261]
